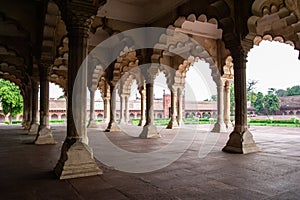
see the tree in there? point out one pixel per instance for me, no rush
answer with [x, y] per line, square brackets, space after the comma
[232, 102]
[281, 93]
[258, 104]
[251, 95]
[213, 97]
[251, 85]
[11, 99]
[293, 91]
[271, 91]
[271, 103]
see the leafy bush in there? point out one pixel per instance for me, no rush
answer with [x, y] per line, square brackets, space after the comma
[57, 121]
[14, 122]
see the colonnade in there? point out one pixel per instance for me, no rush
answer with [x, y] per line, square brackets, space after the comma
[76, 143]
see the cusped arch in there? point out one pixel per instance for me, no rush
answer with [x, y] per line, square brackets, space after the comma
[124, 64]
[278, 18]
[193, 51]
[258, 39]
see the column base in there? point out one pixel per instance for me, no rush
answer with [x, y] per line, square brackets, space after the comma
[179, 122]
[112, 127]
[122, 121]
[34, 128]
[45, 137]
[76, 161]
[142, 122]
[149, 131]
[228, 125]
[172, 124]
[93, 124]
[240, 142]
[219, 127]
[106, 120]
[26, 125]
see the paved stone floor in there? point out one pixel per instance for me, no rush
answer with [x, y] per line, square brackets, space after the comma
[26, 170]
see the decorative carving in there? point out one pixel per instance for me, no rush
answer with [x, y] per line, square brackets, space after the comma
[228, 68]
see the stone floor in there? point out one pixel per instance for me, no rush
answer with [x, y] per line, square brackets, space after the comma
[202, 172]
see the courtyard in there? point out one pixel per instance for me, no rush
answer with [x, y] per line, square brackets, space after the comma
[26, 169]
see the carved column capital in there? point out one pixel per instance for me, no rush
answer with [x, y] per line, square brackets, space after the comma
[239, 58]
[77, 13]
[152, 72]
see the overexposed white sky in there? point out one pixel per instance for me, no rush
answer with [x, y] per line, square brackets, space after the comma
[273, 64]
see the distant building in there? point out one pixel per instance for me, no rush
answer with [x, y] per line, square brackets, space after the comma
[288, 106]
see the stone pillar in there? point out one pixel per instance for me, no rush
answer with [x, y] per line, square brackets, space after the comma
[173, 122]
[179, 106]
[149, 129]
[122, 109]
[126, 109]
[44, 135]
[34, 123]
[106, 102]
[76, 158]
[241, 139]
[142, 92]
[92, 121]
[112, 125]
[220, 125]
[27, 109]
[227, 104]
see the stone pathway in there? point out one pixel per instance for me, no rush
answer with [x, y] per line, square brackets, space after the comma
[273, 173]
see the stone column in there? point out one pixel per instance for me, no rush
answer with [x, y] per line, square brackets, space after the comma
[122, 109]
[106, 102]
[173, 122]
[149, 129]
[34, 123]
[126, 109]
[142, 92]
[27, 109]
[227, 104]
[112, 125]
[241, 139]
[76, 158]
[220, 125]
[44, 135]
[179, 106]
[92, 121]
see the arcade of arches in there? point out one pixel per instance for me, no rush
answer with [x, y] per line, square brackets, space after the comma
[45, 41]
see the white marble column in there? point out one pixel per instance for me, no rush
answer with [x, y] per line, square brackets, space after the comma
[220, 125]
[106, 114]
[92, 122]
[227, 104]
[44, 135]
[126, 116]
[241, 139]
[122, 109]
[142, 92]
[179, 106]
[173, 121]
[76, 158]
[34, 127]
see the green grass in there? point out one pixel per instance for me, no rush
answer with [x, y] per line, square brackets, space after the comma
[293, 122]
